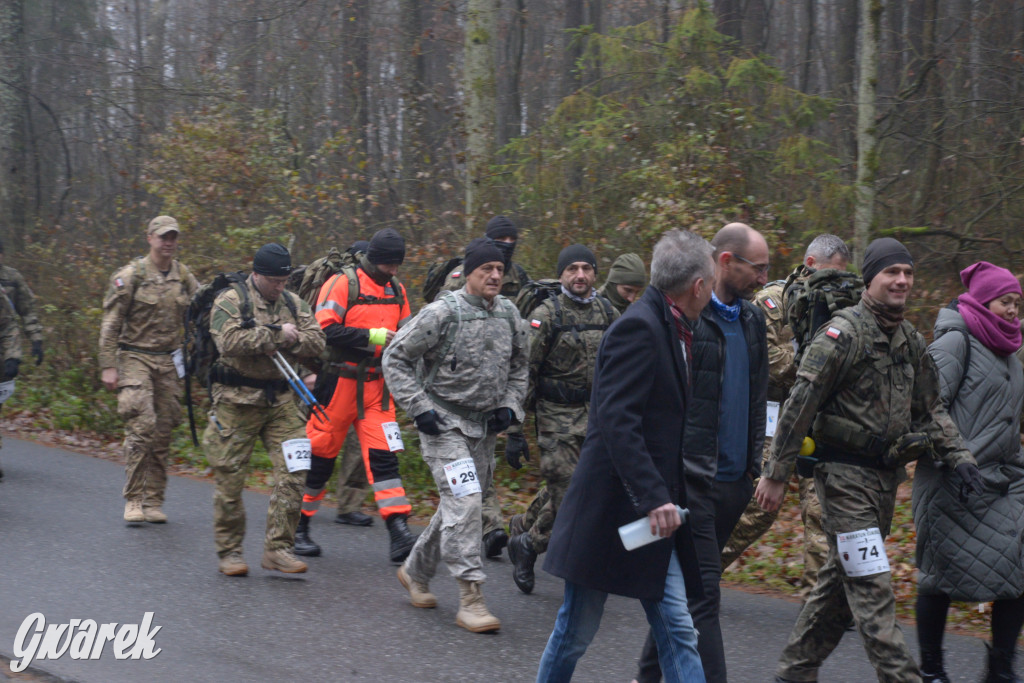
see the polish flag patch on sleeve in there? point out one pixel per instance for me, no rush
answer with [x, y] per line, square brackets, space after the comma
[119, 283]
[534, 323]
[769, 303]
[833, 332]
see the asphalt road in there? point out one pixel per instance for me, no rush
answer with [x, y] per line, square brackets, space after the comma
[65, 552]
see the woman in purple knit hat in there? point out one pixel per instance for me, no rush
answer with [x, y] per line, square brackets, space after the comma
[972, 550]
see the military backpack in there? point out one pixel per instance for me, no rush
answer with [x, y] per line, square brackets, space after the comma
[812, 301]
[317, 273]
[536, 292]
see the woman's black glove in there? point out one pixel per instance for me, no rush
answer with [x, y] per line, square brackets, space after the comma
[11, 368]
[971, 480]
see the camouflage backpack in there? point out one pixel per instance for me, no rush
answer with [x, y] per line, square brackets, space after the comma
[811, 301]
[436, 275]
[536, 292]
[306, 281]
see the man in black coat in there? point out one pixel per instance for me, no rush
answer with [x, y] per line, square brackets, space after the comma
[631, 466]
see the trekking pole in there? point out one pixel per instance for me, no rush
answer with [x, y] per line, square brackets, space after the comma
[297, 385]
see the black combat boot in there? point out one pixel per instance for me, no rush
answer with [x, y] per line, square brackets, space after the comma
[402, 539]
[494, 542]
[356, 518]
[1000, 666]
[304, 545]
[523, 556]
[932, 670]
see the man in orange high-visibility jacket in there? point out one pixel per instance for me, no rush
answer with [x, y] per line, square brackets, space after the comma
[359, 321]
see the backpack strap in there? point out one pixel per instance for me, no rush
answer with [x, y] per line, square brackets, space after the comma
[503, 308]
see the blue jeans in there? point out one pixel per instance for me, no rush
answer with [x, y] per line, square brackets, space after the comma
[580, 616]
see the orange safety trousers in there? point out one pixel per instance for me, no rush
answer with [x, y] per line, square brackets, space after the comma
[381, 463]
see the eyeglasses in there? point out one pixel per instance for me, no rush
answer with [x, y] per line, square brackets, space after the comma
[762, 269]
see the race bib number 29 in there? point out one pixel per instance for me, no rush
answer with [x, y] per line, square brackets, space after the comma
[462, 477]
[862, 552]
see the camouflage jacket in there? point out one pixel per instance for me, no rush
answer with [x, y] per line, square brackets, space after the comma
[853, 371]
[781, 369]
[245, 350]
[562, 361]
[143, 308]
[513, 280]
[10, 336]
[484, 368]
[23, 300]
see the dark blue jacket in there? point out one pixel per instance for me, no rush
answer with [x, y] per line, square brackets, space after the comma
[702, 417]
[631, 461]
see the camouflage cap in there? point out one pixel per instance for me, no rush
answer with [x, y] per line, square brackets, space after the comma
[161, 225]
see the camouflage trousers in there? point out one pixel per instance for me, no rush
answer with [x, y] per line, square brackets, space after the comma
[852, 498]
[755, 522]
[228, 442]
[453, 534]
[559, 454]
[352, 482]
[149, 402]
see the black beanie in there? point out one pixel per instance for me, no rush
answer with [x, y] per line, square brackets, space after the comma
[573, 253]
[882, 253]
[501, 226]
[358, 247]
[273, 260]
[386, 246]
[478, 252]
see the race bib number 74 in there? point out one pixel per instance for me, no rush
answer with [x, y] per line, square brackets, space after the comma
[462, 477]
[862, 552]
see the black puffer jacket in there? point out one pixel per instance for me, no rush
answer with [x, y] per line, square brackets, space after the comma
[700, 440]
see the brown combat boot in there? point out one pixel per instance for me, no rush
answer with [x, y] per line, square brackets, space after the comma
[282, 560]
[473, 614]
[419, 592]
[154, 515]
[233, 564]
[133, 511]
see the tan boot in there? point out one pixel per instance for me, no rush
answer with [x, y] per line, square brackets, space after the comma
[473, 614]
[133, 511]
[233, 564]
[154, 515]
[418, 592]
[282, 560]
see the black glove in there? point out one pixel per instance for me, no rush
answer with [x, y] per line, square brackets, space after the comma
[499, 420]
[516, 448]
[37, 351]
[11, 368]
[429, 422]
[971, 480]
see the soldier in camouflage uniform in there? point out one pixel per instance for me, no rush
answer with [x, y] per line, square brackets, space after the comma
[566, 332]
[10, 344]
[824, 251]
[252, 400]
[22, 300]
[871, 393]
[626, 278]
[460, 368]
[504, 235]
[140, 343]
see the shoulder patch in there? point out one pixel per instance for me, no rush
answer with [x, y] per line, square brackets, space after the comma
[535, 323]
[455, 273]
[768, 302]
[119, 283]
[833, 332]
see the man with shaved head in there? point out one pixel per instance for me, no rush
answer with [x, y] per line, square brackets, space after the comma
[725, 425]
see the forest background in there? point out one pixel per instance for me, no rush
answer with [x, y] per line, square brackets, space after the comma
[317, 122]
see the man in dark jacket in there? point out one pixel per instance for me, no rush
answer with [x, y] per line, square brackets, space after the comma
[725, 425]
[631, 466]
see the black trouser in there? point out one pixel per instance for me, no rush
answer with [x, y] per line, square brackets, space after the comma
[1007, 619]
[714, 512]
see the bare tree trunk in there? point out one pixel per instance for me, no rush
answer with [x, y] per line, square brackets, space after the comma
[13, 116]
[356, 77]
[481, 19]
[844, 69]
[754, 25]
[574, 47]
[729, 15]
[510, 104]
[867, 135]
[810, 22]
[934, 113]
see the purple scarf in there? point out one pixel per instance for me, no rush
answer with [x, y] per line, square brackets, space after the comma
[999, 335]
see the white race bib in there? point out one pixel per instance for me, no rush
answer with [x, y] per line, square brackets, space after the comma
[6, 390]
[179, 362]
[461, 476]
[394, 436]
[862, 552]
[297, 454]
[773, 419]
